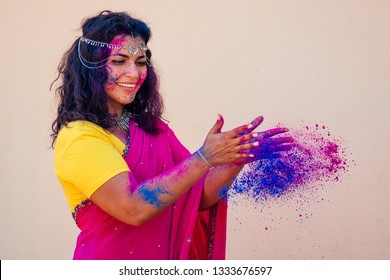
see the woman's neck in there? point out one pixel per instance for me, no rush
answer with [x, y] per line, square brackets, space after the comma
[115, 108]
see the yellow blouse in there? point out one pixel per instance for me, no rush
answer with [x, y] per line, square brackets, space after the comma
[85, 157]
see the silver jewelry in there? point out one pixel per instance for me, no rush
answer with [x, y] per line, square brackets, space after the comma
[85, 45]
[123, 121]
[92, 43]
[133, 50]
[99, 44]
[133, 47]
[204, 159]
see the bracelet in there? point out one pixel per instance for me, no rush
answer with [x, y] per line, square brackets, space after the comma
[205, 160]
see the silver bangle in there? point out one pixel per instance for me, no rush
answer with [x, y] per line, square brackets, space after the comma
[205, 160]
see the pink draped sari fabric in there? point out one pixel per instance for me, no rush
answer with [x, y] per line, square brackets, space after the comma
[178, 232]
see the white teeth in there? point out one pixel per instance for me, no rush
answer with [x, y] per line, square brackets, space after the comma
[126, 85]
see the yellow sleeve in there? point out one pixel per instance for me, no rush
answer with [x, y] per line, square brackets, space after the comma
[86, 156]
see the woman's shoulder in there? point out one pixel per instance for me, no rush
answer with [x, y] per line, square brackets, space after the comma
[81, 127]
[77, 129]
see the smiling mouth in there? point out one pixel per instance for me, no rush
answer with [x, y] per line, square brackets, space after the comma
[126, 85]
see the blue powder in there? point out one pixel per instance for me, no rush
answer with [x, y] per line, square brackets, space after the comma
[152, 195]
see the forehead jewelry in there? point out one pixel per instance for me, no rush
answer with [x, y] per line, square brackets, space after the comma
[133, 49]
[92, 43]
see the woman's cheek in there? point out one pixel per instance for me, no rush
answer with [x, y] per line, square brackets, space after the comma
[110, 85]
[112, 79]
[142, 78]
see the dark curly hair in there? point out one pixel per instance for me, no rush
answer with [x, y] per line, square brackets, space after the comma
[81, 92]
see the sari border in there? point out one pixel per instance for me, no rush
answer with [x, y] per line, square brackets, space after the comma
[78, 208]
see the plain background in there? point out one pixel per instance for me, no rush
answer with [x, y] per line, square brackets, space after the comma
[324, 61]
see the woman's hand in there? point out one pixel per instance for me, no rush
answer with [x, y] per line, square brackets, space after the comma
[240, 146]
[226, 147]
[268, 145]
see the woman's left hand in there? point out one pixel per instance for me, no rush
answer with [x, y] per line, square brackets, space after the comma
[268, 145]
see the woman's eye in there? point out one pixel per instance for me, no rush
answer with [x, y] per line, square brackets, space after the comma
[117, 62]
[141, 63]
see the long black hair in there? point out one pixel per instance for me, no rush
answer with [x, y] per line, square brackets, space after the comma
[81, 92]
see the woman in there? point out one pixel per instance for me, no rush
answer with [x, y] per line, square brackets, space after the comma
[134, 191]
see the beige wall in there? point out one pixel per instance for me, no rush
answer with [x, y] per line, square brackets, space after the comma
[317, 61]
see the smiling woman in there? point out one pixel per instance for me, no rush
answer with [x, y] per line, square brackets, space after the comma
[134, 190]
[127, 70]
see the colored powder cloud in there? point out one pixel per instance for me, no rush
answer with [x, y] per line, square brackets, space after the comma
[317, 159]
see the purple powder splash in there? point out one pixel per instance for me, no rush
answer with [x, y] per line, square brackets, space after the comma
[317, 160]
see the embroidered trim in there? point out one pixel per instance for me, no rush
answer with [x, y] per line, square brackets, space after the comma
[126, 149]
[211, 240]
[82, 204]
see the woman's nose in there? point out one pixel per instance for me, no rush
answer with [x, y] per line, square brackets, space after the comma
[131, 70]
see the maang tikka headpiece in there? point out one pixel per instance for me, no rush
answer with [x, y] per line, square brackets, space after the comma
[88, 55]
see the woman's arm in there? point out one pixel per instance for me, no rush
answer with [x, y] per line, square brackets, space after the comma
[217, 183]
[153, 196]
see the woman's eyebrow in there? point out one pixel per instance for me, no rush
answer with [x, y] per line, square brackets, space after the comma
[126, 56]
[121, 54]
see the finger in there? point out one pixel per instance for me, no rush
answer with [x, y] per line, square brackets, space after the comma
[280, 140]
[253, 125]
[275, 149]
[244, 155]
[261, 156]
[273, 132]
[250, 137]
[217, 127]
[238, 130]
[244, 158]
[286, 147]
[247, 146]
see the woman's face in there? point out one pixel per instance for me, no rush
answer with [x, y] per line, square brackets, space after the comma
[126, 69]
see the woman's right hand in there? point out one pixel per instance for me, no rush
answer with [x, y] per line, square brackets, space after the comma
[226, 147]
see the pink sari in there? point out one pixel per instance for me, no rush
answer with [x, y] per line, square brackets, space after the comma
[179, 232]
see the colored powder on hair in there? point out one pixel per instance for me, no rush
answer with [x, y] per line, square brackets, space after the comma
[316, 160]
